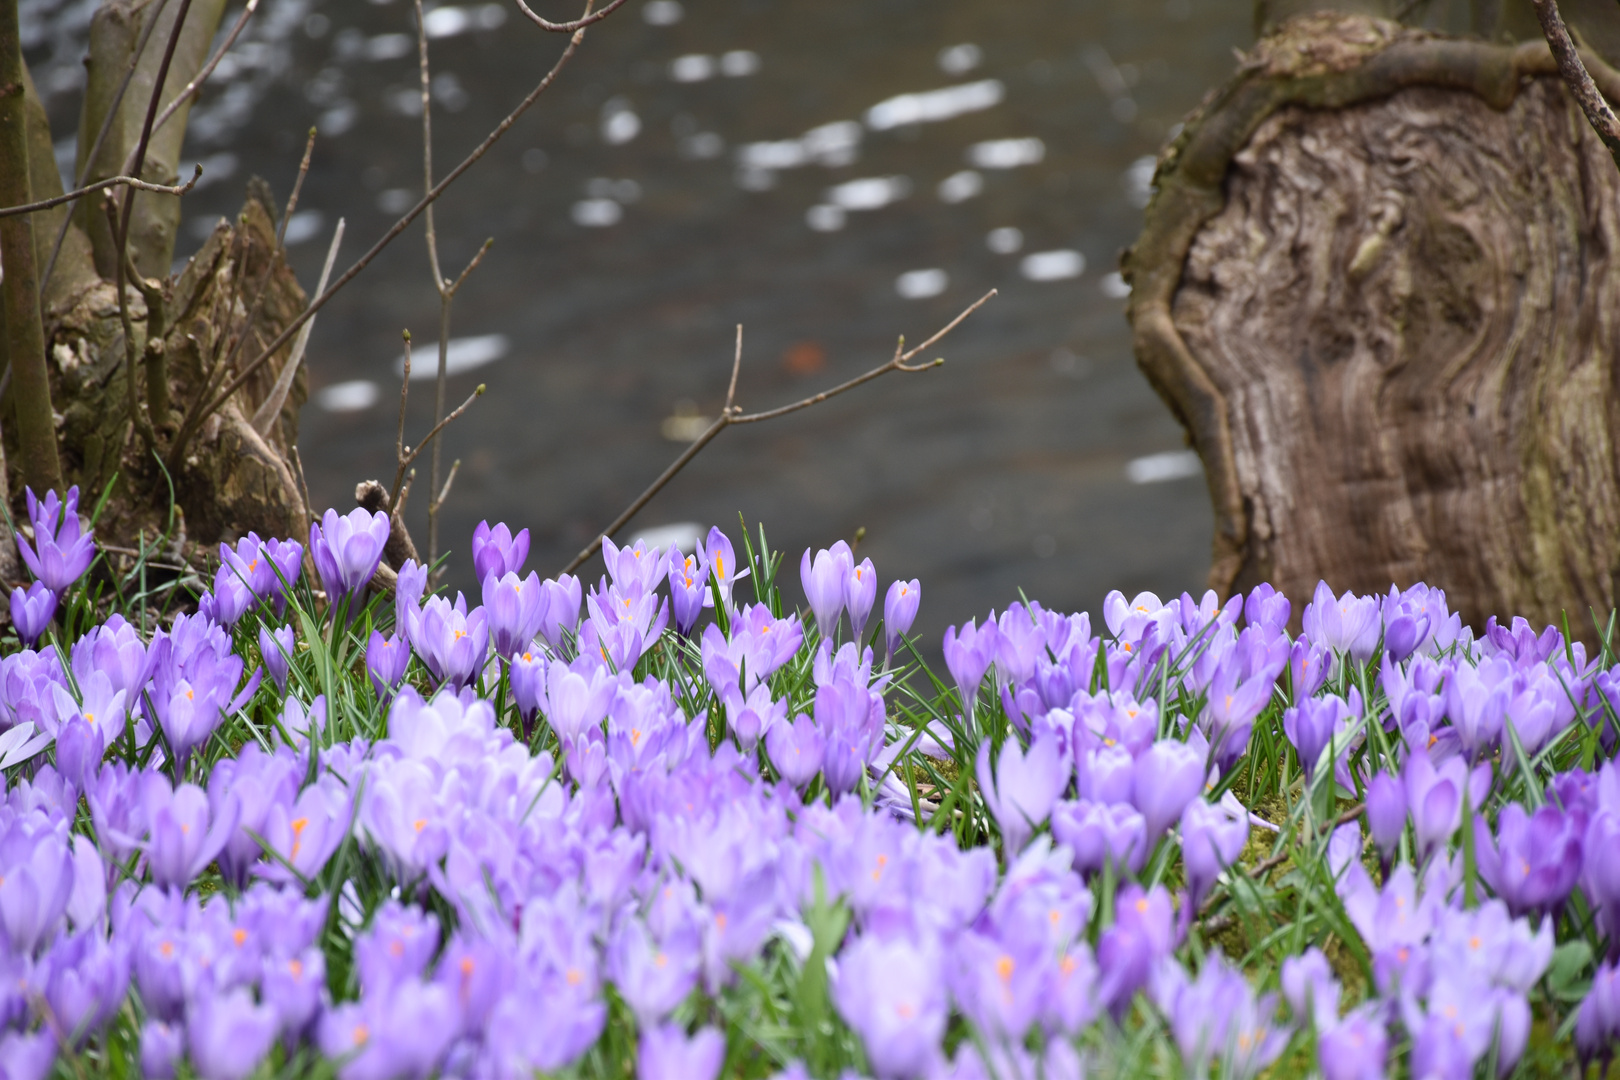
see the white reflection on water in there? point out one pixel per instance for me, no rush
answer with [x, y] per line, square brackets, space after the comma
[824, 217]
[1007, 153]
[935, 105]
[1005, 240]
[597, 213]
[869, 193]
[922, 284]
[960, 186]
[1058, 265]
[1157, 468]
[960, 59]
[662, 12]
[463, 354]
[352, 396]
[693, 67]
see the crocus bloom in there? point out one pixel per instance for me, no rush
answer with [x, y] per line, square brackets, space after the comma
[825, 580]
[1476, 700]
[35, 884]
[276, 650]
[185, 836]
[1266, 607]
[899, 612]
[1346, 624]
[1597, 1025]
[667, 1053]
[453, 642]
[1434, 796]
[796, 750]
[688, 587]
[1310, 989]
[1356, 1048]
[722, 562]
[1536, 858]
[526, 675]
[31, 611]
[347, 550]
[161, 1046]
[1212, 838]
[653, 975]
[969, 654]
[515, 609]
[496, 551]
[1216, 1016]
[229, 1034]
[1023, 788]
[1315, 723]
[79, 750]
[1169, 775]
[891, 992]
[563, 599]
[1143, 934]
[60, 554]
[1386, 814]
[87, 978]
[1099, 833]
[860, 593]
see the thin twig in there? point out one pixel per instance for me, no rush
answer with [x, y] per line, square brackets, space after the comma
[470, 267]
[195, 85]
[137, 160]
[412, 214]
[111, 181]
[444, 492]
[410, 455]
[570, 27]
[399, 434]
[1577, 78]
[732, 415]
[298, 187]
[138, 422]
[270, 408]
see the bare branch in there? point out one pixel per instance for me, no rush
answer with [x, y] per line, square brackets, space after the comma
[137, 160]
[444, 492]
[427, 144]
[569, 27]
[732, 415]
[298, 187]
[399, 435]
[410, 215]
[410, 455]
[471, 266]
[195, 85]
[271, 407]
[1577, 78]
[111, 181]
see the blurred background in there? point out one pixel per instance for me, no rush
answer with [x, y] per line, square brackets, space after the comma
[830, 175]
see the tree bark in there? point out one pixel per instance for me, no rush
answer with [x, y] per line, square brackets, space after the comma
[1377, 285]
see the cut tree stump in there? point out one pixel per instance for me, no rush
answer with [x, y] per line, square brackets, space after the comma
[1377, 285]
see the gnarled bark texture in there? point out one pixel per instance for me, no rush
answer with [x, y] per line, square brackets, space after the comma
[1378, 285]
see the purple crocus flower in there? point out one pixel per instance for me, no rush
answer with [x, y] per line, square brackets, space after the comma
[860, 593]
[276, 650]
[969, 654]
[79, 750]
[1597, 1025]
[667, 1053]
[1268, 608]
[59, 555]
[796, 750]
[892, 993]
[1105, 773]
[397, 946]
[1023, 788]
[1128, 952]
[1230, 712]
[1356, 1048]
[230, 599]
[229, 1034]
[1476, 700]
[86, 980]
[899, 612]
[1346, 624]
[721, 559]
[294, 987]
[1536, 858]
[688, 587]
[116, 650]
[31, 611]
[1308, 667]
[1386, 815]
[347, 550]
[1100, 833]
[1212, 838]
[1216, 1016]
[400, 1034]
[1315, 723]
[386, 661]
[563, 599]
[526, 675]
[1001, 981]
[515, 608]
[184, 836]
[1434, 796]
[496, 551]
[453, 642]
[36, 882]
[1169, 775]
[653, 974]
[825, 580]
[1310, 989]
[162, 1043]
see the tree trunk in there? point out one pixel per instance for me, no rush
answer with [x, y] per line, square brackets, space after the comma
[187, 330]
[1377, 285]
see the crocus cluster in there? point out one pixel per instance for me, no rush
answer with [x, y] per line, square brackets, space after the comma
[648, 825]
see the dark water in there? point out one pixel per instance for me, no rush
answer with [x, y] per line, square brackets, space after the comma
[1008, 468]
